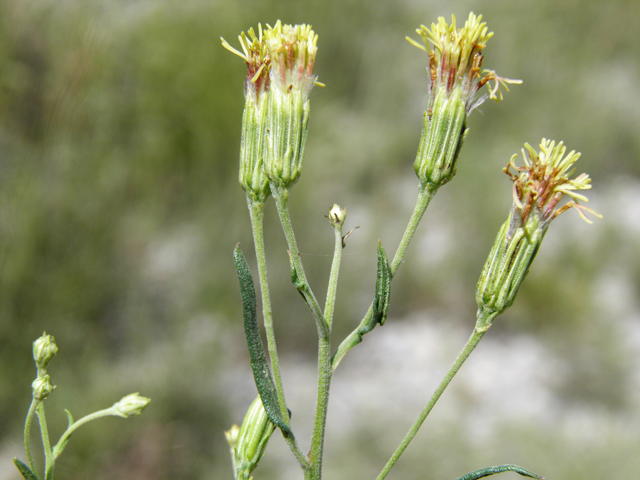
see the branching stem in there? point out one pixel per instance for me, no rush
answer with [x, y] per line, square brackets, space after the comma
[426, 193]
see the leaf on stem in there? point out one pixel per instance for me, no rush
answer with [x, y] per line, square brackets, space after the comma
[261, 372]
[485, 472]
[383, 288]
[24, 470]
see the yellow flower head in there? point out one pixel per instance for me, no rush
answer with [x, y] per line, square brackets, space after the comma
[544, 179]
[292, 50]
[255, 54]
[455, 58]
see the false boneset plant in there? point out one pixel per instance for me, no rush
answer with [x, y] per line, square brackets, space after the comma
[280, 62]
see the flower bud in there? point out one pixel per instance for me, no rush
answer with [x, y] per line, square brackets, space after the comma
[132, 404]
[232, 436]
[44, 349]
[538, 187]
[254, 433]
[232, 439]
[455, 58]
[41, 387]
[337, 215]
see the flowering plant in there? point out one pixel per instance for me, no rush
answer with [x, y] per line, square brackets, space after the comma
[280, 64]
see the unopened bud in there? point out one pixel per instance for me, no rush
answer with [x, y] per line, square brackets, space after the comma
[232, 439]
[41, 387]
[232, 436]
[132, 404]
[337, 215]
[254, 433]
[44, 349]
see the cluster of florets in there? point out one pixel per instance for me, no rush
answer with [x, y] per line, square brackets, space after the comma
[455, 59]
[540, 184]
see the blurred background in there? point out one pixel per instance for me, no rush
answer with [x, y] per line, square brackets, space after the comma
[120, 207]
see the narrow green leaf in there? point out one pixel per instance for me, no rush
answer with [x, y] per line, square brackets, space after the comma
[69, 416]
[383, 288]
[485, 472]
[261, 372]
[24, 470]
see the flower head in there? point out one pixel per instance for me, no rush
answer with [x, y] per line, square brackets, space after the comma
[292, 51]
[540, 184]
[279, 79]
[254, 53]
[455, 59]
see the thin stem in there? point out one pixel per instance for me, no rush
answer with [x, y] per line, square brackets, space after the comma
[48, 457]
[27, 435]
[281, 196]
[324, 364]
[426, 193]
[471, 344]
[256, 210]
[257, 216]
[107, 412]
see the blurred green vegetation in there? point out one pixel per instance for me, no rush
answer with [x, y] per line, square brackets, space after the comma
[119, 210]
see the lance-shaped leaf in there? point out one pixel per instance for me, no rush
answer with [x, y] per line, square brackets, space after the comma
[24, 470]
[485, 472]
[261, 372]
[383, 288]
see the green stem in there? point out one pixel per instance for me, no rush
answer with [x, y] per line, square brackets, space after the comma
[482, 325]
[426, 193]
[27, 435]
[281, 197]
[256, 210]
[257, 216]
[324, 364]
[107, 412]
[48, 457]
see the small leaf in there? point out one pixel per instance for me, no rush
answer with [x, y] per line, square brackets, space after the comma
[383, 288]
[485, 472]
[261, 372]
[24, 470]
[69, 416]
[295, 279]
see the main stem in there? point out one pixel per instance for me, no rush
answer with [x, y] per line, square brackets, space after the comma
[48, 456]
[256, 211]
[473, 341]
[426, 193]
[257, 216]
[324, 365]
